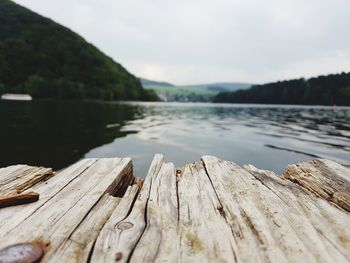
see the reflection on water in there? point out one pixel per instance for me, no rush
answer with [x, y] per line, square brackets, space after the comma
[57, 134]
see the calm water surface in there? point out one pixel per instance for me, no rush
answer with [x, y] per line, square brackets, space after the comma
[57, 134]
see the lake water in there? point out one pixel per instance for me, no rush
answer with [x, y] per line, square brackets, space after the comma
[57, 134]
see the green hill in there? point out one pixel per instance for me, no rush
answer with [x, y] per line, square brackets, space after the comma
[47, 60]
[323, 90]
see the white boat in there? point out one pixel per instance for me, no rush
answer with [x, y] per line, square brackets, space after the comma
[13, 96]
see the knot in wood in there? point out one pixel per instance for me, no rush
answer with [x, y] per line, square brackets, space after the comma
[124, 225]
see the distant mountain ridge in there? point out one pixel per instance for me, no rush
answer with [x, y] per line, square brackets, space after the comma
[147, 83]
[197, 92]
[228, 86]
[47, 60]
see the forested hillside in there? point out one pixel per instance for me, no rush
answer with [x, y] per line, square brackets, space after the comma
[323, 90]
[47, 60]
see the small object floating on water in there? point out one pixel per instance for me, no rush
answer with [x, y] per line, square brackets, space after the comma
[13, 96]
[18, 199]
[21, 253]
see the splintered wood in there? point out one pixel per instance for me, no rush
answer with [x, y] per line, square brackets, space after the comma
[73, 207]
[208, 211]
[18, 178]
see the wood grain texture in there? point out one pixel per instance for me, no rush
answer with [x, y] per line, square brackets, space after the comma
[6, 173]
[204, 234]
[18, 199]
[208, 211]
[314, 219]
[161, 217]
[79, 245]
[324, 178]
[66, 213]
[107, 244]
[11, 217]
[270, 225]
[18, 178]
[122, 233]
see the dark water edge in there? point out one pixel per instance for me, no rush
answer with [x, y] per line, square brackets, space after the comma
[57, 133]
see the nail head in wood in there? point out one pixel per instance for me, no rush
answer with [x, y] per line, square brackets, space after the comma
[118, 256]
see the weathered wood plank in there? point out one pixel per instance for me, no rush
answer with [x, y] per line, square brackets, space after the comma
[63, 215]
[120, 235]
[13, 216]
[325, 178]
[312, 213]
[5, 172]
[18, 178]
[106, 248]
[268, 227]
[160, 241]
[204, 233]
[208, 211]
[79, 245]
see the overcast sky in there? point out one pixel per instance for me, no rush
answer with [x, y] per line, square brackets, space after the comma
[199, 41]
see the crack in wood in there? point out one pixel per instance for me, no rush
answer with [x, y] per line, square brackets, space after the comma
[208, 211]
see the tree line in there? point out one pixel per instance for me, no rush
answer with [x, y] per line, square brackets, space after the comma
[47, 60]
[332, 89]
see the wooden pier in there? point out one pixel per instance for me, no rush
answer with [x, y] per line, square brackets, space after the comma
[208, 211]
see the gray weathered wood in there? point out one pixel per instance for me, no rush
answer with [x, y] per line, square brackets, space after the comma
[207, 211]
[66, 212]
[325, 178]
[124, 236]
[107, 244]
[161, 218]
[204, 233]
[79, 245]
[268, 227]
[13, 216]
[310, 215]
